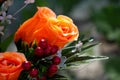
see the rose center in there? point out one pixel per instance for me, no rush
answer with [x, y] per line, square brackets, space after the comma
[6, 63]
[65, 29]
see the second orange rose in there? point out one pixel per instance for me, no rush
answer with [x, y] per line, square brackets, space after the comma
[44, 24]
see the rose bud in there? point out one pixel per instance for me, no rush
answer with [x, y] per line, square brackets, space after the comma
[56, 60]
[34, 73]
[43, 43]
[52, 70]
[26, 65]
[39, 51]
[48, 50]
[54, 49]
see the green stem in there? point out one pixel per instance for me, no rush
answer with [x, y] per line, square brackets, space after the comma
[20, 9]
[69, 47]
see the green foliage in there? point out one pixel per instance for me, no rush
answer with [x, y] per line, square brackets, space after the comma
[41, 3]
[4, 44]
[59, 77]
[64, 6]
[67, 5]
[77, 60]
[114, 1]
[81, 54]
[107, 22]
[112, 68]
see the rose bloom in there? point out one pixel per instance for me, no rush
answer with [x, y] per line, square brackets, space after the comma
[11, 65]
[44, 24]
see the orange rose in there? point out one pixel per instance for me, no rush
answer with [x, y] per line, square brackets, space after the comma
[11, 65]
[44, 24]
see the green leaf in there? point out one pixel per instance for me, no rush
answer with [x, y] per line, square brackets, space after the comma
[89, 46]
[67, 50]
[85, 41]
[4, 45]
[83, 59]
[84, 48]
[59, 77]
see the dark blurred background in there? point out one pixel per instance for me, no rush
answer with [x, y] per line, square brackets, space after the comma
[98, 18]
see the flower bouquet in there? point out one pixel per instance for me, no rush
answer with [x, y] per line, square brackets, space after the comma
[46, 45]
